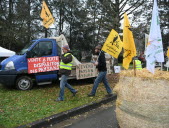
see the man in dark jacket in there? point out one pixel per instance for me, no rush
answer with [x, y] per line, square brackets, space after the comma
[65, 71]
[101, 66]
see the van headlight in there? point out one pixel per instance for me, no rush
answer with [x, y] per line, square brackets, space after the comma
[9, 65]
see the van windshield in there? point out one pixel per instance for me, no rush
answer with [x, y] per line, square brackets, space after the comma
[25, 49]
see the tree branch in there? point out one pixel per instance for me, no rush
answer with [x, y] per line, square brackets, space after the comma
[132, 9]
[123, 5]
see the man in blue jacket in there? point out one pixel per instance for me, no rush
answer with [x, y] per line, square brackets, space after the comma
[101, 66]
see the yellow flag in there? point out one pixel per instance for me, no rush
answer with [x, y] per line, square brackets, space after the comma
[113, 44]
[128, 43]
[168, 53]
[46, 16]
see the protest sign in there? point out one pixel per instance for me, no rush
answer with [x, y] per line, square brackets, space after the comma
[43, 64]
[86, 70]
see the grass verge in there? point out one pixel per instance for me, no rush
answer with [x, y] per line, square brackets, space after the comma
[22, 107]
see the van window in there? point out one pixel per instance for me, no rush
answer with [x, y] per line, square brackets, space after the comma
[42, 49]
[25, 49]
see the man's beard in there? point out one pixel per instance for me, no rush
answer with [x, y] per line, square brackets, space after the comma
[96, 53]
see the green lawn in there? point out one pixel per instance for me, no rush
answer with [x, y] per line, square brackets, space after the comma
[22, 107]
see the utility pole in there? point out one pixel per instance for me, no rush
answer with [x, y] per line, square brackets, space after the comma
[60, 19]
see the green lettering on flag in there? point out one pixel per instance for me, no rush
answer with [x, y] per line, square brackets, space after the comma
[158, 22]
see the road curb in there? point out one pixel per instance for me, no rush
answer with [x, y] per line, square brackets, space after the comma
[56, 118]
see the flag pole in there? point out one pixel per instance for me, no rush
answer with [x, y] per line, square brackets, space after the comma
[134, 66]
[161, 66]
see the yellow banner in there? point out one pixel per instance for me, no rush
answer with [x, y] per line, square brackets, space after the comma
[128, 43]
[46, 15]
[113, 44]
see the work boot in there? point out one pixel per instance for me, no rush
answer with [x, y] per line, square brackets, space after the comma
[74, 93]
[58, 100]
[109, 95]
[91, 95]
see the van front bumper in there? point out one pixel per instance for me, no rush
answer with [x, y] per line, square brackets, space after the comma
[7, 77]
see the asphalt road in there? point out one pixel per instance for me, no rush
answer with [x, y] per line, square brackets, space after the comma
[102, 117]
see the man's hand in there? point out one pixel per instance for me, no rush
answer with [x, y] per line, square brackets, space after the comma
[96, 63]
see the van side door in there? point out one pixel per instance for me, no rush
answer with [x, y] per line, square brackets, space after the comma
[45, 48]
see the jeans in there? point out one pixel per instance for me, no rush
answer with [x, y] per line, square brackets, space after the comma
[63, 84]
[101, 77]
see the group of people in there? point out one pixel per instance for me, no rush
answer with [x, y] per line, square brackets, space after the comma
[66, 67]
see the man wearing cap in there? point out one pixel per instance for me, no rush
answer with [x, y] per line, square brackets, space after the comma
[65, 71]
[101, 66]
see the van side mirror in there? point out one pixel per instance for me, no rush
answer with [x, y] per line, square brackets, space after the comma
[28, 54]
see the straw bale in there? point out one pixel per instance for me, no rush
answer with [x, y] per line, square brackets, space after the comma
[144, 73]
[143, 101]
[126, 120]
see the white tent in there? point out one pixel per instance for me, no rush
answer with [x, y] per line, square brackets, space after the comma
[6, 53]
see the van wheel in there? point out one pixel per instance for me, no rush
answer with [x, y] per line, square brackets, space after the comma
[24, 83]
